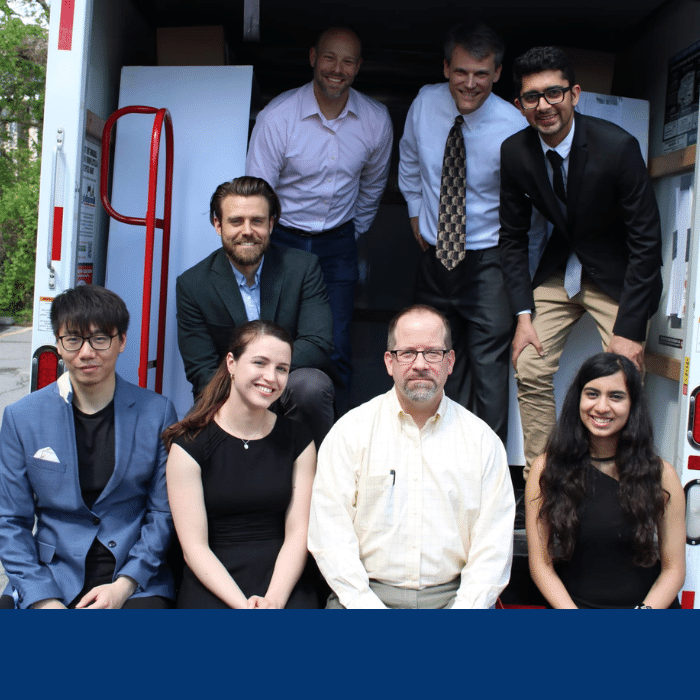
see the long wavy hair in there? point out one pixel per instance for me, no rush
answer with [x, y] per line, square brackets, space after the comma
[563, 482]
[218, 390]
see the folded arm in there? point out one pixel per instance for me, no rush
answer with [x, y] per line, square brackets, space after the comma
[640, 215]
[487, 570]
[541, 563]
[197, 347]
[292, 556]
[373, 179]
[149, 552]
[186, 496]
[332, 537]
[671, 543]
[313, 342]
[20, 558]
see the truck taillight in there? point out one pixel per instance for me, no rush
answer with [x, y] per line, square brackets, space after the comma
[694, 418]
[46, 367]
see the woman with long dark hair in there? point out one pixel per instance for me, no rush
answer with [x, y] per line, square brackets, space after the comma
[605, 515]
[239, 483]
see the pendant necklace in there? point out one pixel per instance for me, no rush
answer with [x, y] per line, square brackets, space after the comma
[245, 442]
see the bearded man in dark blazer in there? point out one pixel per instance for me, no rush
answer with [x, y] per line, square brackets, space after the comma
[603, 257]
[250, 278]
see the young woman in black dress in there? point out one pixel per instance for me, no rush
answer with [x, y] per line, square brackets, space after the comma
[605, 515]
[239, 483]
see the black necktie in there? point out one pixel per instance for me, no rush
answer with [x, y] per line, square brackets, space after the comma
[572, 275]
[558, 174]
[449, 248]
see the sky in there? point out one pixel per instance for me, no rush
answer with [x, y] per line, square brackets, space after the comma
[18, 7]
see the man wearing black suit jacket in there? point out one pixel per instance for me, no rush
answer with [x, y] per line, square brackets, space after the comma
[604, 252]
[250, 278]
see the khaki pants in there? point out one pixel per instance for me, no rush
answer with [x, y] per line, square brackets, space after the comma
[555, 317]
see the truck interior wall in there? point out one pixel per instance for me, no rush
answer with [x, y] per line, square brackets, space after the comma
[122, 36]
[642, 71]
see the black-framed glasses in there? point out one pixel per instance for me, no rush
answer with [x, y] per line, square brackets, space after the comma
[99, 341]
[553, 96]
[406, 357]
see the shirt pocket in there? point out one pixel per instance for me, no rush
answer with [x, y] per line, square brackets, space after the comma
[376, 504]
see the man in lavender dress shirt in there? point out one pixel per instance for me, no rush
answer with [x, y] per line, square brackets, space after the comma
[325, 148]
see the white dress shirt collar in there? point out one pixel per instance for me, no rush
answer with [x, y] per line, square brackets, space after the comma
[310, 108]
[478, 116]
[564, 148]
[402, 415]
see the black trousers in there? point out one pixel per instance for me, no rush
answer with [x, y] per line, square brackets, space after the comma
[473, 297]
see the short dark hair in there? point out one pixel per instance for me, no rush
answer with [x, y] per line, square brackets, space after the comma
[476, 38]
[540, 59]
[391, 332]
[88, 305]
[245, 186]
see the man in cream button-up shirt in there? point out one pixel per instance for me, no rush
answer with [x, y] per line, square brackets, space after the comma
[413, 503]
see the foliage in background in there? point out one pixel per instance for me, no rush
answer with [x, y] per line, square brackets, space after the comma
[23, 49]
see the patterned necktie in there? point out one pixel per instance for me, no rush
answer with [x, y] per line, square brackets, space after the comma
[572, 276]
[452, 219]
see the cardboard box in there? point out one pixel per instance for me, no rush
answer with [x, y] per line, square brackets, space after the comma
[192, 46]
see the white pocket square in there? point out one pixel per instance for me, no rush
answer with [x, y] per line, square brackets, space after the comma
[47, 454]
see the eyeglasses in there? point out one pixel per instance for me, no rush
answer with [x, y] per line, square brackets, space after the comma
[553, 96]
[73, 343]
[406, 357]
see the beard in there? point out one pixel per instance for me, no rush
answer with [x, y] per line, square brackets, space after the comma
[329, 90]
[426, 392]
[245, 255]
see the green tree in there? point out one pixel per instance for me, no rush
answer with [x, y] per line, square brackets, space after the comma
[23, 49]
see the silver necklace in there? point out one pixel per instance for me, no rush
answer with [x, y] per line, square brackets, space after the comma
[245, 442]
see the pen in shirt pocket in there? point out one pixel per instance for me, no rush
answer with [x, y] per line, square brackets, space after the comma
[393, 476]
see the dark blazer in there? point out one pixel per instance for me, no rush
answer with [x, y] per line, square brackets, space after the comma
[612, 219]
[210, 306]
[39, 476]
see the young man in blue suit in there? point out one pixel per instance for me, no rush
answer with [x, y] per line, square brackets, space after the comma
[84, 457]
[603, 257]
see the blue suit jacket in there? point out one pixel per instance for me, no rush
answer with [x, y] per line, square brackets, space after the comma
[131, 517]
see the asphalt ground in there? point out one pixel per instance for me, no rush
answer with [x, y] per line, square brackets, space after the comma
[15, 362]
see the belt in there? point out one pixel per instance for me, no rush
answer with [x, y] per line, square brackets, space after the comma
[313, 234]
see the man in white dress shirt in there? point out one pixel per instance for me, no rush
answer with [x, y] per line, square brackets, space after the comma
[412, 504]
[325, 149]
[472, 294]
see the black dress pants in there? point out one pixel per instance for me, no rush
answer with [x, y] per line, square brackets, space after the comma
[473, 297]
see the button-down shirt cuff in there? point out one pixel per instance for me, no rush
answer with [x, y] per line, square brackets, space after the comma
[414, 206]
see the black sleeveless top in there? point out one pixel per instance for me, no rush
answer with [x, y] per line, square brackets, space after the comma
[601, 572]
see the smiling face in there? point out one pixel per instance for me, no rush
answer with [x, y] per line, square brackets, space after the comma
[604, 408]
[419, 384]
[336, 61]
[89, 368]
[470, 79]
[261, 372]
[553, 122]
[244, 228]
